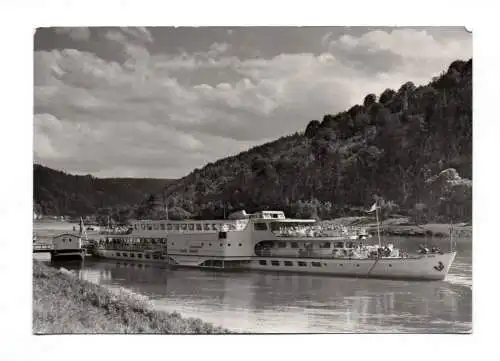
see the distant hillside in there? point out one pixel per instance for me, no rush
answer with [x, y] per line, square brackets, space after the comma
[59, 193]
[388, 146]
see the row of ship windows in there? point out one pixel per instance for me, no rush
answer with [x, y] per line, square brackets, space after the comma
[289, 263]
[299, 263]
[181, 227]
[140, 255]
[327, 245]
[210, 244]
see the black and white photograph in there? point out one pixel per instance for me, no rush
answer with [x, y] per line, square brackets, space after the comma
[199, 180]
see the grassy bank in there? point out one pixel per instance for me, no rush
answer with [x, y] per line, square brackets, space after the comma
[64, 304]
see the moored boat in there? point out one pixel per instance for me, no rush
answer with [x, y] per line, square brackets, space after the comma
[268, 241]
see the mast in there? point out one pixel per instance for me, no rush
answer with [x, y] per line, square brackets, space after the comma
[378, 225]
[451, 237]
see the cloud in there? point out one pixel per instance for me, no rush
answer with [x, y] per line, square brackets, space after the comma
[152, 115]
[75, 33]
[140, 34]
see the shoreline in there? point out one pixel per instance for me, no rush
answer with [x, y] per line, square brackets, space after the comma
[401, 226]
[62, 303]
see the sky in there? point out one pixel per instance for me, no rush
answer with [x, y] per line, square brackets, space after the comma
[159, 102]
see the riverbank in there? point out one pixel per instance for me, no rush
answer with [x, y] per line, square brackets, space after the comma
[402, 226]
[63, 303]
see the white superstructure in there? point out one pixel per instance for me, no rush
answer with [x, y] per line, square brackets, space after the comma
[267, 240]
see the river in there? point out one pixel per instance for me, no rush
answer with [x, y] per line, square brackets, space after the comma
[297, 303]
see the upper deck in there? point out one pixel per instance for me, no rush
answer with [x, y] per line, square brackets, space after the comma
[273, 223]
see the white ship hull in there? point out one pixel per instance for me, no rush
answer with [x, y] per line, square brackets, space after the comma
[424, 267]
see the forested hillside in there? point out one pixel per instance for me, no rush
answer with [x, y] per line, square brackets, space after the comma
[58, 193]
[389, 146]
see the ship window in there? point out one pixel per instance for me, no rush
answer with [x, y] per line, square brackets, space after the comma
[338, 245]
[124, 254]
[275, 263]
[316, 264]
[156, 226]
[64, 240]
[281, 244]
[202, 244]
[214, 226]
[143, 226]
[221, 244]
[260, 226]
[206, 227]
[210, 245]
[69, 240]
[173, 243]
[357, 265]
[390, 265]
[147, 256]
[169, 227]
[288, 263]
[117, 254]
[198, 227]
[176, 227]
[350, 245]
[341, 265]
[139, 255]
[150, 227]
[295, 245]
[263, 262]
[302, 264]
[155, 256]
[325, 245]
[162, 226]
[184, 226]
[132, 255]
[191, 227]
[229, 244]
[136, 227]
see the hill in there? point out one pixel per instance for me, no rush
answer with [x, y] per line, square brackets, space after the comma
[387, 147]
[58, 193]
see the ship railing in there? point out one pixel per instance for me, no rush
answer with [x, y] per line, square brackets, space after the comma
[133, 248]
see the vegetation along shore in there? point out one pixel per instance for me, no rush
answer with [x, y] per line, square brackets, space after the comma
[62, 303]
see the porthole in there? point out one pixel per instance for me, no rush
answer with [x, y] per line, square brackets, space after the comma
[210, 245]
[229, 244]
[221, 244]
[341, 265]
[239, 244]
[390, 265]
[357, 265]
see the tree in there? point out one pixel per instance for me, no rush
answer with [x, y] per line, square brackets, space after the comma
[369, 100]
[386, 96]
[312, 128]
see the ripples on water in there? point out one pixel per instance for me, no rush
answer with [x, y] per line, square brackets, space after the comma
[297, 303]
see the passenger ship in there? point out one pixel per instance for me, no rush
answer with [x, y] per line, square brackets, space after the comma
[268, 241]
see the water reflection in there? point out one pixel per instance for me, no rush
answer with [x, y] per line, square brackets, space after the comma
[290, 303]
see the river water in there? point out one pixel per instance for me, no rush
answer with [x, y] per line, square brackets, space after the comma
[296, 303]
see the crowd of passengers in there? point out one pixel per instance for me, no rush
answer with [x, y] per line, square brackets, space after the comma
[314, 231]
[349, 250]
[124, 243]
[425, 250]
